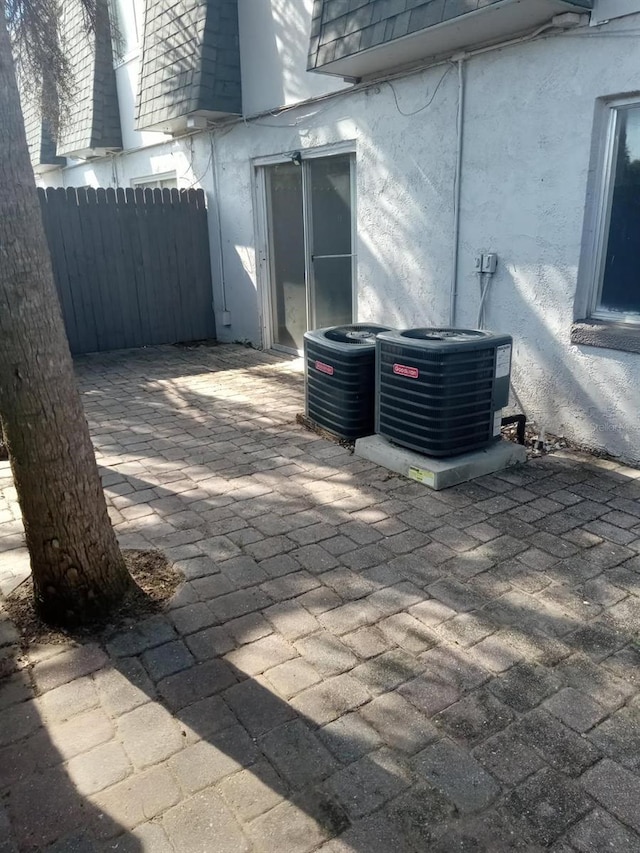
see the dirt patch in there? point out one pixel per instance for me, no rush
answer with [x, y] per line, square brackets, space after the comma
[205, 342]
[156, 581]
[304, 421]
[541, 445]
[154, 574]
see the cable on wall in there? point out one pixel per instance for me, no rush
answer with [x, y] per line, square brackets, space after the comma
[447, 70]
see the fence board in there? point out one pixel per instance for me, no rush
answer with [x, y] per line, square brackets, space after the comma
[163, 205]
[131, 267]
[148, 305]
[130, 257]
[79, 236]
[57, 257]
[187, 290]
[95, 283]
[202, 262]
[74, 315]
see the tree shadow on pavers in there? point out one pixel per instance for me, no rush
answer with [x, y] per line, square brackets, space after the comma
[378, 755]
[518, 608]
[252, 764]
[150, 419]
[172, 391]
[380, 759]
[173, 362]
[196, 391]
[244, 421]
[56, 750]
[485, 699]
[545, 604]
[503, 569]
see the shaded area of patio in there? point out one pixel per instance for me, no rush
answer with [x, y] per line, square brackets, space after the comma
[354, 663]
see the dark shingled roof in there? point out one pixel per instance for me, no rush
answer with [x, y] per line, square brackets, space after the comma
[94, 121]
[42, 146]
[346, 27]
[190, 61]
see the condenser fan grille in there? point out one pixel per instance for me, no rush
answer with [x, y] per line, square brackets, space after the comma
[443, 334]
[353, 334]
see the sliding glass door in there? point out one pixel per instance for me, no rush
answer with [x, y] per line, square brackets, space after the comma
[310, 246]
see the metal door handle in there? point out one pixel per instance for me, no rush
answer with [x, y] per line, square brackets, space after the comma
[321, 257]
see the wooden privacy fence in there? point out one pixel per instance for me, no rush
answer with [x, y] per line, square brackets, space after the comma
[132, 267]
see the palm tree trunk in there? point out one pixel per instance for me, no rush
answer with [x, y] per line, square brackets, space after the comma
[78, 570]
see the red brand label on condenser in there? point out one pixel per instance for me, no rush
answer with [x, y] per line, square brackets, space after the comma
[324, 368]
[404, 370]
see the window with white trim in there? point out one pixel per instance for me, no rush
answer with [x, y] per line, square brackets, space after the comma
[127, 18]
[167, 181]
[616, 295]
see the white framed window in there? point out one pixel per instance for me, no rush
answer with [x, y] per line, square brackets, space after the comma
[616, 285]
[127, 18]
[166, 181]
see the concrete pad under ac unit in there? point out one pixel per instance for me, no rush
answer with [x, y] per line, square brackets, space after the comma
[440, 473]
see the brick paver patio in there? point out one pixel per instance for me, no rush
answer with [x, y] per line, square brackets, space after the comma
[355, 663]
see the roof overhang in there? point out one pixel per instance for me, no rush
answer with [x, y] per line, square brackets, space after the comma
[42, 168]
[488, 25]
[86, 153]
[189, 123]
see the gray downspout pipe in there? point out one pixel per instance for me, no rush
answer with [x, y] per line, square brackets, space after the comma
[456, 198]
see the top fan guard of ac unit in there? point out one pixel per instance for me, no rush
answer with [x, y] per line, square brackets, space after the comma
[441, 391]
[363, 335]
[340, 378]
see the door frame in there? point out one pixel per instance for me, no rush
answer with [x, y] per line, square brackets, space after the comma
[263, 238]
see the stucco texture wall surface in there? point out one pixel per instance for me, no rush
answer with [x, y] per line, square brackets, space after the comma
[274, 40]
[526, 176]
[528, 133]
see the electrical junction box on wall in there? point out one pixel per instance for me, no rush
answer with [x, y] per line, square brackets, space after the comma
[489, 262]
[486, 262]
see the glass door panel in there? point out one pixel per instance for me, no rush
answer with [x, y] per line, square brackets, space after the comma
[333, 304]
[330, 240]
[285, 212]
[309, 220]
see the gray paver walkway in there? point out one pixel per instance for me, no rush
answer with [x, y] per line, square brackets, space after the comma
[354, 663]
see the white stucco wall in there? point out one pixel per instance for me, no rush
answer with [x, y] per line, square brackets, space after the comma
[525, 182]
[274, 42]
[182, 156]
[127, 74]
[129, 19]
[403, 202]
[528, 132]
